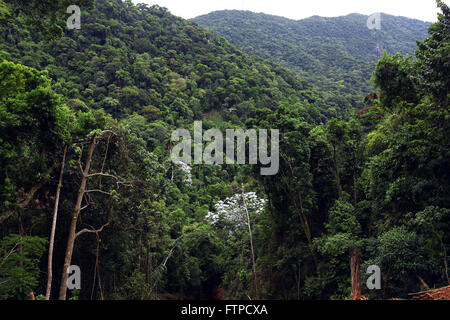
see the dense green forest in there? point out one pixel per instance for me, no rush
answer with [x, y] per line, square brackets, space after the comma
[336, 55]
[86, 118]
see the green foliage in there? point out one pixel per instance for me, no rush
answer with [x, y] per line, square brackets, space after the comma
[434, 55]
[335, 55]
[341, 219]
[396, 78]
[19, 265]
[377, 181]
[185, 72]
[44, 16]
[33, 123]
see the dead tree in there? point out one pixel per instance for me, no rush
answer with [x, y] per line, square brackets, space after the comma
[73, 234]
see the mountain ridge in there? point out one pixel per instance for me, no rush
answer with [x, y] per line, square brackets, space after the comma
[306, 18]
[322, 50]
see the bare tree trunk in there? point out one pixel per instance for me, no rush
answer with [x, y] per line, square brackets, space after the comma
[100, 283]
[355, 274]
[422, 281]
[251, 242]
[73, 225]
[97, 268]
[52, 233]
[97, 252]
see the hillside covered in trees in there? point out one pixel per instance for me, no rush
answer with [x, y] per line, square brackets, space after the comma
[336, 55]
[86, 179]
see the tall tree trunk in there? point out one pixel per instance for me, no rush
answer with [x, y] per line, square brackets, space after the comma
[97, 268]
[251, 242]
[73, 225]
[53, 230]
[355, 274]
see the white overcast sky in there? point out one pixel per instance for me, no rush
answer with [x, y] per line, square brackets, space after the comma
[424, 10]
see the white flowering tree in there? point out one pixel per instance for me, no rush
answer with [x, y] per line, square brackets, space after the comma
[186, 169]
[235, 212]
[232, 210]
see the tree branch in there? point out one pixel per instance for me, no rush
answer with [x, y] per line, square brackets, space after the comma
[9, 253]
[98, 190]
[93, 231]
[118, 180]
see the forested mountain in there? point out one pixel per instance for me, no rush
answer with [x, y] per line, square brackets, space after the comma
[335, 54]
[127, 57]
[154, 73]
[86, 179]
